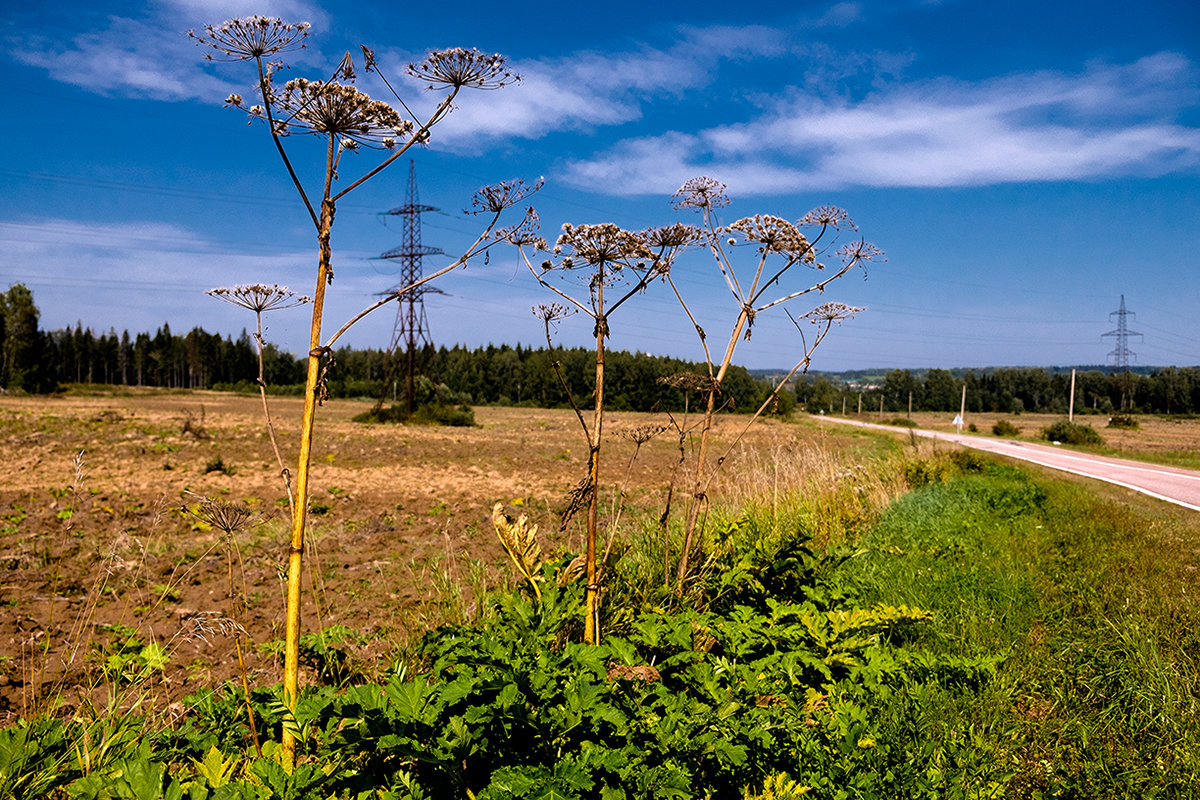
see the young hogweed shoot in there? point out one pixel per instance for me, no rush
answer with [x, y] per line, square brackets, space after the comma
[762, 282]
[347, 120]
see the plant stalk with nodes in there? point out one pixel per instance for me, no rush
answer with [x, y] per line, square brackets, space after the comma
[779, 247]
[624, 262]
[348, 121]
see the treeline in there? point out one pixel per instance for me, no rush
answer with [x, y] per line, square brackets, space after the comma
[526, 376]
[1169, 390]
[37, 362]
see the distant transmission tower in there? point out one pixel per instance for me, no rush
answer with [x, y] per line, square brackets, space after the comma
[411, 329]
[1121, 354]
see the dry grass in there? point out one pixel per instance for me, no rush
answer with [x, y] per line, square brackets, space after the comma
[402, 535]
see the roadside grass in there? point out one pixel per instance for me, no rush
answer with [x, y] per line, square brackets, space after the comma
[1091, 603]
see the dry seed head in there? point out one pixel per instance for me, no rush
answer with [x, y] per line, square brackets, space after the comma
[552, 312]
[644, 433]
[687, 381]
[524, 233]
[673, 236]
[828, 217]
[336, 109]
[774, 235]
[459, 67]
[860, 252]
[226, 517]
[701, 192]
[499, 196]
[248, 38]
[832, 312]
[604, 244]
[258, 297]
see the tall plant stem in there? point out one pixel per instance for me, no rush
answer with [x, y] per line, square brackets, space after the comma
[262, 391]
[591, 624]
[291, 659]
[699, 496]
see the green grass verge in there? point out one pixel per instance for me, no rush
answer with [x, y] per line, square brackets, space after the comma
[1091, 603]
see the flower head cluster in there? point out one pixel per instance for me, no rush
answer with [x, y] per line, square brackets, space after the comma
[460, 67]
[552, 312]
[774, 235]
[497, 197]
[700, 193]
[829, 217]
[605, 245]
[248, 38]
[674, 236]
[525, 233]
[643, 433]
[336, 109]
[226, 517]
[688, 381]
[860, 252]
[258, 297]
[832, 313]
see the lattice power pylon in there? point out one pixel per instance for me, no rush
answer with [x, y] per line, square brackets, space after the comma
[1121, 354]
[411, 329]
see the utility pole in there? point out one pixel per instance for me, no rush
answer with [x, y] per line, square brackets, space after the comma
[411, 328]
[1071, 407]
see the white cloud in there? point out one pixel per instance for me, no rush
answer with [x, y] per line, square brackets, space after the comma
[1109, 120]
[587, 90]
[150, 57]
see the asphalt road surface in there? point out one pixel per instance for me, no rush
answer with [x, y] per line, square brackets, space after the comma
[1172, 484]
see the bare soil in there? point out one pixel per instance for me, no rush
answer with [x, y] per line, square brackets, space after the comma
[100, 536]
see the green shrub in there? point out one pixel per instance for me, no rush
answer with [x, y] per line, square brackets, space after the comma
[1005, 428]
[902, 422]
[1123, 422]
[462, 416]
[1071, 433]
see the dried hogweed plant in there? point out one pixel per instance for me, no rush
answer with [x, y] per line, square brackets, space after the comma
[779, 251]
[260, 298]
[346, 120]
[614, 265]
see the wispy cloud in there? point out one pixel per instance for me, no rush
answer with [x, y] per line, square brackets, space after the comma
[148, 57]
[588, 90]
[1107, 120]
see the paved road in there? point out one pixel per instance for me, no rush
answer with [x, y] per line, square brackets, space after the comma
[1173, 484]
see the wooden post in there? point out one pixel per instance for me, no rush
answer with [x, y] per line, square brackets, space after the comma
[962, 409]
[910, 404]
[881, 407]
[1071, 411]
[860, 404]
[843, 405]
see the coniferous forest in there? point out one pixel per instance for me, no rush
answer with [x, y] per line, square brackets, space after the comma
[36, 361]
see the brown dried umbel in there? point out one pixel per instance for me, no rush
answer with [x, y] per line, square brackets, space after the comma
[767, 280]
[249, 38]
[461, 67]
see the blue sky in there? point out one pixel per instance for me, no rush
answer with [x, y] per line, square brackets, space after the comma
[1022, 164]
